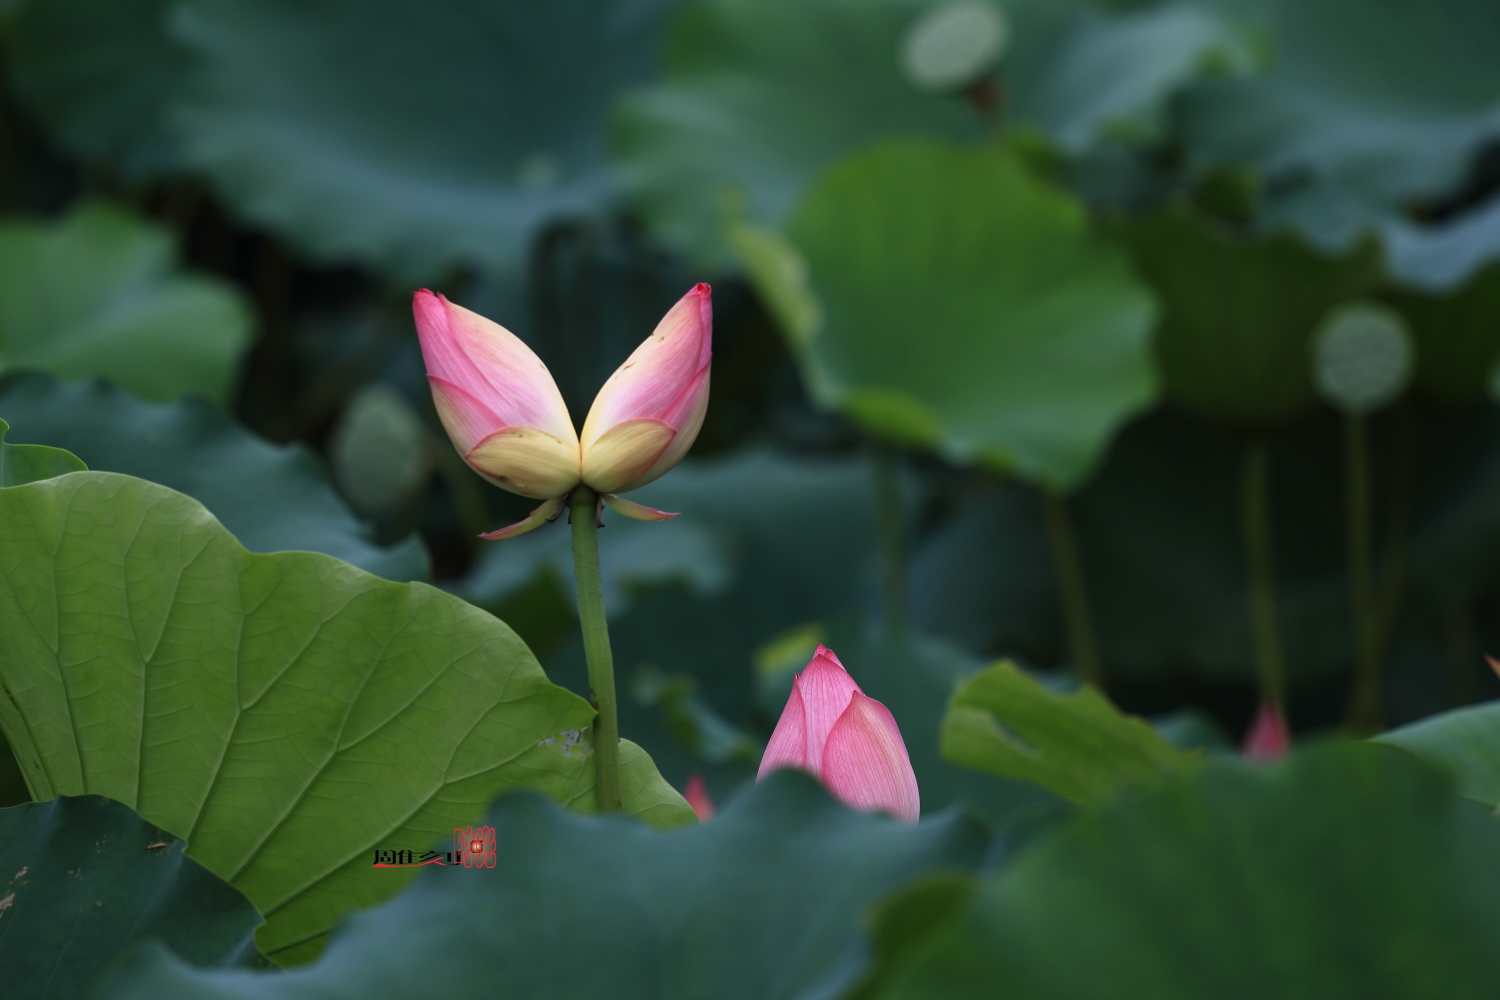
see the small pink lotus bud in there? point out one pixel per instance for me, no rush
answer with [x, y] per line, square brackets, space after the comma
[497, 401]
[697, 796]
[1268, 738]
[649, 412]
[849, 741]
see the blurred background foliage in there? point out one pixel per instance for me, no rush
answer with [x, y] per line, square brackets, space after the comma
[1016, 305]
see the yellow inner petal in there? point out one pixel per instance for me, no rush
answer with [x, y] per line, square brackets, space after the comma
[623, 452]
[527, 461]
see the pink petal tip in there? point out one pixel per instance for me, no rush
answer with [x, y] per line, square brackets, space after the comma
[1268, 737]
[697, 796]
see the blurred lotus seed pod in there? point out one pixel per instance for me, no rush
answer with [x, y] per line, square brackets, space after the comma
[380, 452]
[1362, 357]
[953, 45]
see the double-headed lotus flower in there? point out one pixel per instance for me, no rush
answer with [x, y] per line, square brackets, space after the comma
[508, 420]
[847, 740]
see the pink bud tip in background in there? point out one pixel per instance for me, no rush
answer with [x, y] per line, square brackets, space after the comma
[696, 794]
[848, 741]
[1494, 663]
[1268, 738]
[649, 412]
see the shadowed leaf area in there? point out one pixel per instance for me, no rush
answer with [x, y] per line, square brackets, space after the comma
[763, 901]
[1346, 872]
[84, 879]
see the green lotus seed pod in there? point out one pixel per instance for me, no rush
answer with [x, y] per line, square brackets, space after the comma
[1362, 357]
[954, 44]
[379, 452]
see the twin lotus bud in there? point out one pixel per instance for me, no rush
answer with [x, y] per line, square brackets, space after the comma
[508, 420]
[847, 740]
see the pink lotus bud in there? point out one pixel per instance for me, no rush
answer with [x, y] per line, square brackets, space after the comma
[849, 741]
[497, 401]
[1268, 738]
[697, 796]
[648, 414]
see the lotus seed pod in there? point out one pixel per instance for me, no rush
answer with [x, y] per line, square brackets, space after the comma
[1362, 357]
[379, 452]
[954, 44]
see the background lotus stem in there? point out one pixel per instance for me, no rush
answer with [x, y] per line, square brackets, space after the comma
[1255, 524]
[583, 512]
[891, 514]
[1364, 705]
[1462, 653]
[1068, 565]
[1392, 576]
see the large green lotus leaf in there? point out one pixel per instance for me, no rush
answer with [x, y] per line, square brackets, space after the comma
[272, 498]
[1465, 742]
[84, 879]
[760, 96]
[765, 901]
[1234, 341]
[1004, 722]
[964, 305]
[285, 714]
[1364, 109]
[1457, 338]
[97, 293]
[99, 75]
[409, 136]
[26, 463]
[1347, 872]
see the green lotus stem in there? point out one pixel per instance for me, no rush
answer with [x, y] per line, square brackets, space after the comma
[888, 509]
[1255, 523]
[1458, 642]
[1078, 618]
[1364, 706]
[1392, 576]
[583, 513]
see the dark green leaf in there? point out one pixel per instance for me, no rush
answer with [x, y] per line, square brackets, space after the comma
[1234, 341]
[764, 902]
[1440, 257]
[100, 75]
[1347, 872]
[410, 137]
[286, 714]
[271, 498]
[84, 879]
[97, 293]
[1465, 742]
[26, 463]
[1364, 108]
[1004, 722]
[960, 304]
[761, 96]
[1457, 338]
